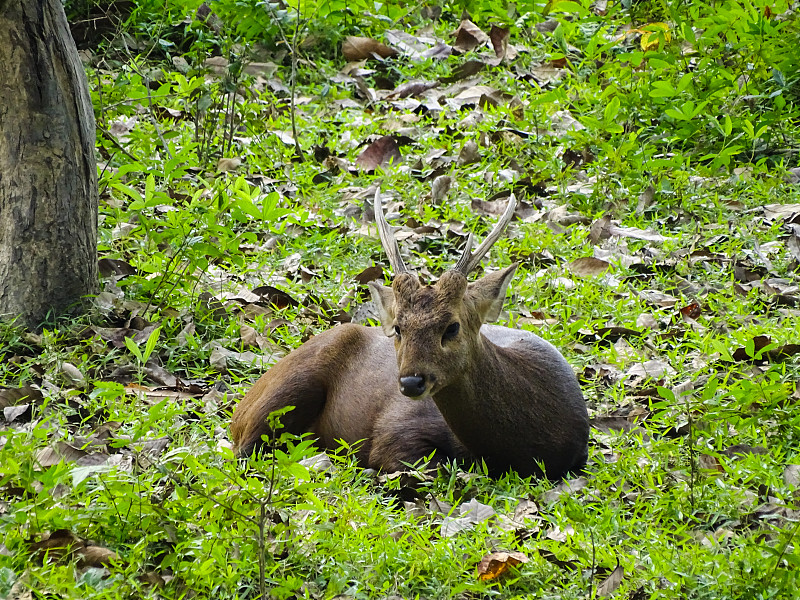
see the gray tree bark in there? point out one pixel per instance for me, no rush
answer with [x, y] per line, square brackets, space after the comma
[48, 170]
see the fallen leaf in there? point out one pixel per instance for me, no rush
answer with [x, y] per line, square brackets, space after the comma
[784, 212]
[360, 48]
[439, 189]
[750, 352]
[610, 584]
[468, 36]
[380, 153]
[497, 564]
[22, 412]
[646, 321]
[658, 298]
[565, 487]
[464, 70]
[612, 424]
[691, 311]
[319, 462]
[471, 513]
[412, 88]
[225, 165]
[274, 296]
[588, 266]
[469, 154]
[793, 242]
[499, 37]
[60, 451]
[654, 369]
[600, 230]
[635, 232]
[646, 199]
[116, 267]
[791, 475]
[96, 556]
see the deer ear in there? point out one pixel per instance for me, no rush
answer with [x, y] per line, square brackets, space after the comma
[383, 297]
[489, 292]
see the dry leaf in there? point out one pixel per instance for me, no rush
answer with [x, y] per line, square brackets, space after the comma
[646, 199]
[469, 154]
[225, 165]
[784, 212]
[379, 153]
[499, 37]
[439, 189]
[96, 556]
[691, 311]
[23, 395]
[412, 88]
[471, 512]
[646, 321]
[479, 95]
[588, 266]
[639, 234]
[52, 455]
[360, 48]
[600, 230]
[469, 36]
[612, 582]
[791, 475]
[462, 71]
[567, 486]
[793, 242]
[654, 369]
[496, 564]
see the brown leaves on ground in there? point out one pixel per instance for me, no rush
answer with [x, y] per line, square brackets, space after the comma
[610, 584]
[497, 564]
[361, 48]
[62, 546]
[381, 153]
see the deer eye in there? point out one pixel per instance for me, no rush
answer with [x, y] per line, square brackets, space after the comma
[397, 331]
[451, 331]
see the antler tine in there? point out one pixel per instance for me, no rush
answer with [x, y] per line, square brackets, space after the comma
[468, 261]
[462, 263]
[387, 239]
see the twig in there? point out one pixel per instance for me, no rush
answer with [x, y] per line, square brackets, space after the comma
[293, 78]
[780, 557]
[114, 141]
[297, 149]
[154, 120]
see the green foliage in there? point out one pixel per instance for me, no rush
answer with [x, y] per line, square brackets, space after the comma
[696, 109]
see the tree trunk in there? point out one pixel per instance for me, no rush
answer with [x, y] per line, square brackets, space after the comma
[48, 171]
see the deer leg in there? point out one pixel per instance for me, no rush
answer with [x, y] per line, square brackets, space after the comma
[410, 431]
[275, 390]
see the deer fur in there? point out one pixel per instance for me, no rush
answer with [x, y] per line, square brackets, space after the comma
[421, 385]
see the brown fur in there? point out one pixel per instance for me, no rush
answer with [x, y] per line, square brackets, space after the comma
[491, 393]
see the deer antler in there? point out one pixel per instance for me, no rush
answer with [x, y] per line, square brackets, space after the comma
[468, 261]
[387, 239]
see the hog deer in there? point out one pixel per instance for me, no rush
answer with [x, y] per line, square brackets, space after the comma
[434, 381]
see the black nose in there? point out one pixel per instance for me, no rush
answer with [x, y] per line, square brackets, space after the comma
[412, 386]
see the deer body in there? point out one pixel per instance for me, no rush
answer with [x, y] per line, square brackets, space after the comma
[433, 380]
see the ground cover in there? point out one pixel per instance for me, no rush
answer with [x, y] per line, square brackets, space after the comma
[654, 150]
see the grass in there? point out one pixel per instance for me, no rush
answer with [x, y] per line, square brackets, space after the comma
[691, 489]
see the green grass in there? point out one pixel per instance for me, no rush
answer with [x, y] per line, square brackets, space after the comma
[695, 498]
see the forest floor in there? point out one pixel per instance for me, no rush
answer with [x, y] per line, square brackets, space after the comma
[655, 158]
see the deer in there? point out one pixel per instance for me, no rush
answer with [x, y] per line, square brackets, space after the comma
[436, 381]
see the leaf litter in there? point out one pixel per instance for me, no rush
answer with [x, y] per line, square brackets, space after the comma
[660, 276]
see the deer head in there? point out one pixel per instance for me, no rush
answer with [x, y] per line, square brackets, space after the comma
[436, 328]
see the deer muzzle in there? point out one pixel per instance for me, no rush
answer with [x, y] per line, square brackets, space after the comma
[413, 386]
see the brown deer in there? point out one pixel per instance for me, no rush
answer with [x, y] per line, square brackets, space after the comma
[435, 381]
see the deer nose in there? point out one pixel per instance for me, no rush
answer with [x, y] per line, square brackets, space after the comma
[412, 386]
